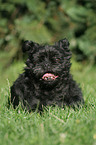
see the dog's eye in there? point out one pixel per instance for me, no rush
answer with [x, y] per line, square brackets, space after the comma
[34, 62]
[41, 58]
[55, 60]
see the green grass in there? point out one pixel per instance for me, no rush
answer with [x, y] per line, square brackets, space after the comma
[56, 126]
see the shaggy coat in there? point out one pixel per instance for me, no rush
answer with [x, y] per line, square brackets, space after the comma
[46, 79]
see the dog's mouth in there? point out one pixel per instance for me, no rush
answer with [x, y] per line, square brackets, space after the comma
[49, 77]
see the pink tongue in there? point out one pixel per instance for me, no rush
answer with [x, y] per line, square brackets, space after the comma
[49, 76]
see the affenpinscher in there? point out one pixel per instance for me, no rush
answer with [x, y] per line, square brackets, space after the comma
[46, 79]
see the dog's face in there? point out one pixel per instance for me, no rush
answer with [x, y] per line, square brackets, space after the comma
[49, 63]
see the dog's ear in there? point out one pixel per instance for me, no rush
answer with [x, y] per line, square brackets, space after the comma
[64, 43]
[29, 46]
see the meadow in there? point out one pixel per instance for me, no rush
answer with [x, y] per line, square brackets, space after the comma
[55, 126]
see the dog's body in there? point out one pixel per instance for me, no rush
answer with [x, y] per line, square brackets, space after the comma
[46, 79]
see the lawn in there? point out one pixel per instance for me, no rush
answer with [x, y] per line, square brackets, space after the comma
[56, 126]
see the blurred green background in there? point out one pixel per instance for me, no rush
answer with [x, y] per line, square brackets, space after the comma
[46, 21]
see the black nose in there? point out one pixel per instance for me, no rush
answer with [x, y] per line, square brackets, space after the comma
[47, 67]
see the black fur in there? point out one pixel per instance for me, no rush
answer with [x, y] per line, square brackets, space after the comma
[33, 91]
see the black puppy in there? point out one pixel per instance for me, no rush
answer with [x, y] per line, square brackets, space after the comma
[46, 79]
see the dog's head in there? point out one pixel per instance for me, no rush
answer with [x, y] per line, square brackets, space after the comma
[48, 63]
